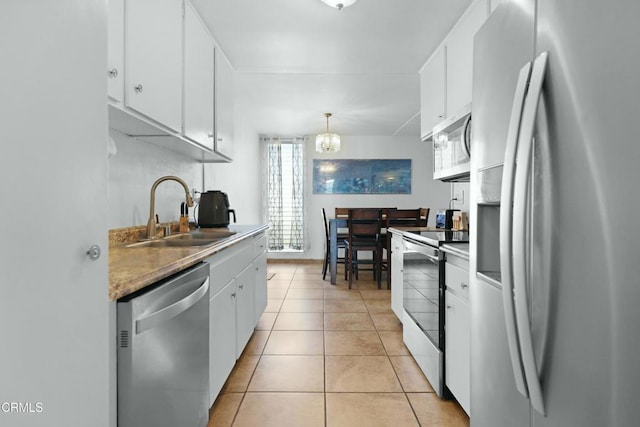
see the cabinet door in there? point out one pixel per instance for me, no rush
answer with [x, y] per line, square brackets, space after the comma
[53, 90]
[222, 337]
[245, 283]
[260, 296]
[224, 105]
[115, 51]
[154, 60]
[198, 80]
[457, 349]
[397, 248]
[432, 93]
[460, 57]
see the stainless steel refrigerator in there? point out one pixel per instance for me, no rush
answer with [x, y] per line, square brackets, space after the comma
[555, 243]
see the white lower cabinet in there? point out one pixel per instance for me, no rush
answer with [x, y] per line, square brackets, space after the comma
[245, 322]
[397, 248]
[238, 299]
[260, 268]
[222, 338]
[457, 327]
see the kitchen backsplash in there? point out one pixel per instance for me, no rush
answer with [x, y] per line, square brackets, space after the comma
[133, 170]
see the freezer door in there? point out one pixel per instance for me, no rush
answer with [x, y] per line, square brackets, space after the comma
[588, 151]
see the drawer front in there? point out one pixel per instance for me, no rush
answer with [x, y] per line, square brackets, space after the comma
[228, 263]
[457, 280]
[259, 245]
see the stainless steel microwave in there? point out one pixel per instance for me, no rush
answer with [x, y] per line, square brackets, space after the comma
[451, 147]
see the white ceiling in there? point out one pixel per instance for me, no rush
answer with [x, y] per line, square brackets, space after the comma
[297, 59]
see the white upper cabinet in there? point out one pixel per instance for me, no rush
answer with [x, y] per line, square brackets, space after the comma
[460, 56]
[432, 92]
[224, 105]
[154, 60]
[162, 79]
[198, 80]
[115, 51]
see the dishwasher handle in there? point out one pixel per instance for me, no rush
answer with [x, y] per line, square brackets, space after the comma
[152, 320]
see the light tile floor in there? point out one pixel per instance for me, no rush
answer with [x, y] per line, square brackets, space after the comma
[323, 355]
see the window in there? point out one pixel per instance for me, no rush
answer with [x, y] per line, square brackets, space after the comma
[284, 195]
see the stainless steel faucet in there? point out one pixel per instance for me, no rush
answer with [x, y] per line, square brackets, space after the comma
[151, 224]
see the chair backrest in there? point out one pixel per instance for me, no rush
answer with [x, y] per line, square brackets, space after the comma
[364, 224]
[403, 218]
[424, 217]
[341, 213]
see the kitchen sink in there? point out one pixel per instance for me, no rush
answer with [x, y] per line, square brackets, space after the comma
[209, 233]
[194, 238]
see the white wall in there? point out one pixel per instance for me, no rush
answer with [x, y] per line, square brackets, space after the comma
[132, 172]
[242, 178]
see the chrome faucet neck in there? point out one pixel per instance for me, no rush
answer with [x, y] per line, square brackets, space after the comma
[151, 223]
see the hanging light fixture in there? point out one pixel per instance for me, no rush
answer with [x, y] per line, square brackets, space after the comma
[339, 4]
[327, 142]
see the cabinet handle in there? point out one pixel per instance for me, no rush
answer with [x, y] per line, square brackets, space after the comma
[233, 295]
[241, 286]
[138, 88]
[113, 73]
[464, 285]
[94, 252]
[449, 306]
[219, 139]
[211, 135]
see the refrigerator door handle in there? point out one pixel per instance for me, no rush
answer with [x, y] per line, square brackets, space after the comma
[506, 227]
[520, 236]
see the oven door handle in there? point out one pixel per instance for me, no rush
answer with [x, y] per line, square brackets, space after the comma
[521, 237]
[433, 258]
[506, 228]
[423, 249]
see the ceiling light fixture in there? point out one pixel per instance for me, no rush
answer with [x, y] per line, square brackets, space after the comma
[339, 4]
[327, 142]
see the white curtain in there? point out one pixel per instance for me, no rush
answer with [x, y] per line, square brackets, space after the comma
[284, 192]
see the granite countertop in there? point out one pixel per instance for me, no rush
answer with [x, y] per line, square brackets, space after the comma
[133, 268]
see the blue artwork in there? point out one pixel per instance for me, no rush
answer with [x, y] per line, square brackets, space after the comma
[349, 176]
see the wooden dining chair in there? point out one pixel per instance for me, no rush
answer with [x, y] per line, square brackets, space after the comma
[364, 236]
[397, 218]
[424, 217]
[327, 252]
[341, 212]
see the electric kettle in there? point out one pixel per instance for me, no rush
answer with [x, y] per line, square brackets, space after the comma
[214, 209]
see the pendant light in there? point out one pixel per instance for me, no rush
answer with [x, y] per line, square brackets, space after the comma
[327, 142]
[338, 4]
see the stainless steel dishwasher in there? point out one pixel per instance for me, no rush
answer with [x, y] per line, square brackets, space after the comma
[163, 353]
